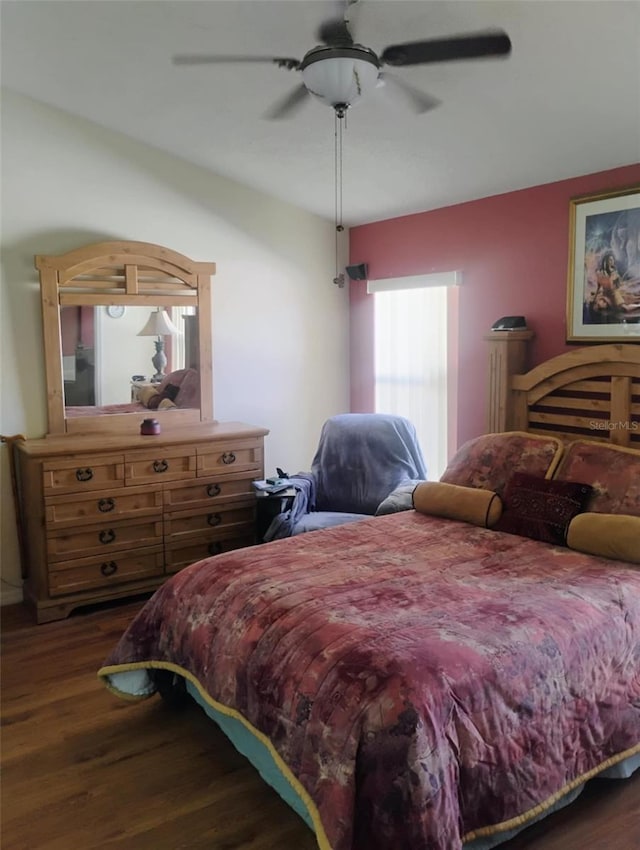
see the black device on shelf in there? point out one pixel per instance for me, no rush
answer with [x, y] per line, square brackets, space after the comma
[510, 323]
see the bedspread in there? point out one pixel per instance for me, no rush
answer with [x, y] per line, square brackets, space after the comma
[425, 681]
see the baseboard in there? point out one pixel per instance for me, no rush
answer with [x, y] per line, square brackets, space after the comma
[10, 595]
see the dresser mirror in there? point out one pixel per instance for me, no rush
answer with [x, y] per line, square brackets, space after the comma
[127, 335]
[107, 359]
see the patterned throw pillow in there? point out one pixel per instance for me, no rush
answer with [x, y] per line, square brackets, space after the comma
[613, 471]
[541, 508]
[489, 461]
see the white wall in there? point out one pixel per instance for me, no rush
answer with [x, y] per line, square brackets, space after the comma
[280, 325]
[121, 353]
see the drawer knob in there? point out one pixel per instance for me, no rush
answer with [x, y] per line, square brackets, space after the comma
[214, 490]
[214, 519]
[108, 568]
[106, 505]
[160, 466]
[228, 458]
[84, 474]
[214, 548]
[107, 536]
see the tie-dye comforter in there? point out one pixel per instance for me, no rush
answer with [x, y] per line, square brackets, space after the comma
[424, 681]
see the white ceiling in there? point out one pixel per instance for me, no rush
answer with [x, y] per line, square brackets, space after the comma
[567, 101]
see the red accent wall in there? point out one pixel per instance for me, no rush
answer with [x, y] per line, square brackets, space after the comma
[69, 329]
[512, 251]
[76, 326]
[87, 327]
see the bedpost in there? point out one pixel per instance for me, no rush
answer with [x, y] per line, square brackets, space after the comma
[507, 357]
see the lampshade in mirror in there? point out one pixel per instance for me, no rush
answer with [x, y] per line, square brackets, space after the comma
[159, 325]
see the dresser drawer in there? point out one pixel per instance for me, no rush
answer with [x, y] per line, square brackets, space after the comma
[209, 491]
[111, 514]
[159, 465]
[103, 539]
[103, 507]
[182, 554]
[230, 458]
[223, 517]
[80, 474]
[88, 573]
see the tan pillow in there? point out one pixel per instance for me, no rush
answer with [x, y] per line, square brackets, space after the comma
[166, 403]
[467, 504]
[614, 536]
[145, 394]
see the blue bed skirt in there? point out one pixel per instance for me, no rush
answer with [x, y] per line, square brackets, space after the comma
[257, 753]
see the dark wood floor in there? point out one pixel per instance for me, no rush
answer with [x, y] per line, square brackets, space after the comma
[84, 769]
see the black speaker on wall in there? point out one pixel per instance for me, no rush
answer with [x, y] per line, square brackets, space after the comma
[359, 272]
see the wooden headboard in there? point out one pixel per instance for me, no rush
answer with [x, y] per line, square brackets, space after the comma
[591, 392]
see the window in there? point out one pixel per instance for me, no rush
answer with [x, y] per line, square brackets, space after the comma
[178, 342]
[410, 333]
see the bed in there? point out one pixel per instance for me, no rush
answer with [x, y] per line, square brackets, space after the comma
[419, 679]
[179, 389]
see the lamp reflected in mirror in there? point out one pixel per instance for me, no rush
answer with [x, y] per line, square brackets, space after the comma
[99, 355]
[159, 325]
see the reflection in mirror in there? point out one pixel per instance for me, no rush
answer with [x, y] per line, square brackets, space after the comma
[111, 363]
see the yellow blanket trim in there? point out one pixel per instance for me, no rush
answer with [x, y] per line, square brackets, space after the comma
[321, 836]
[520, 820]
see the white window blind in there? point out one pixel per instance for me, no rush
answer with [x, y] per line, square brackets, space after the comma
[411, 362]
[178, 341]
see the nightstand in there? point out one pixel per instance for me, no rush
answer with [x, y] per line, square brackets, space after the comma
[268, 506]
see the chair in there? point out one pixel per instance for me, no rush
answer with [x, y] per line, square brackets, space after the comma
[361, 459]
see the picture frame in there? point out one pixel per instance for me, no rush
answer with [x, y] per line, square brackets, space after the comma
[603, 287]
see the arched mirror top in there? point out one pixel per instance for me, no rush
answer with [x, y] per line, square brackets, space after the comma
[158, 352]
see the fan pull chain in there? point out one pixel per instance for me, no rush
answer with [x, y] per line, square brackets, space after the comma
[338, 118]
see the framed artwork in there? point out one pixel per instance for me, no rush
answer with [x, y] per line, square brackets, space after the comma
[603, 291]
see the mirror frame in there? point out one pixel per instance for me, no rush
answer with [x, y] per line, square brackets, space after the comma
[138, 274]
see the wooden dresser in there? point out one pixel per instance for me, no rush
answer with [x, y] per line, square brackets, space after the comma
[108, 516]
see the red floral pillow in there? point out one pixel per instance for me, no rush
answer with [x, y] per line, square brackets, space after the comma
[488, 461]
[541, 508]
[613, 471]
[186, 386]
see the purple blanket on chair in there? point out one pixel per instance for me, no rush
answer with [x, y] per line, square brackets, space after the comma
[361, 458]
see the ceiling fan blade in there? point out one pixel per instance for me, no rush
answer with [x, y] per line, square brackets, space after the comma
[419, 100]
[285, 107]
[472, 46]
[206, 59]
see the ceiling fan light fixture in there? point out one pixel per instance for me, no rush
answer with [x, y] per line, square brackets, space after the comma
[339, 77]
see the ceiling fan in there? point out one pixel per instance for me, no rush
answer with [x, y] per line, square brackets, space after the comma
[339, 71]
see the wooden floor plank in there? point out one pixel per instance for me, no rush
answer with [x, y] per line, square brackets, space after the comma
[81, 768]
